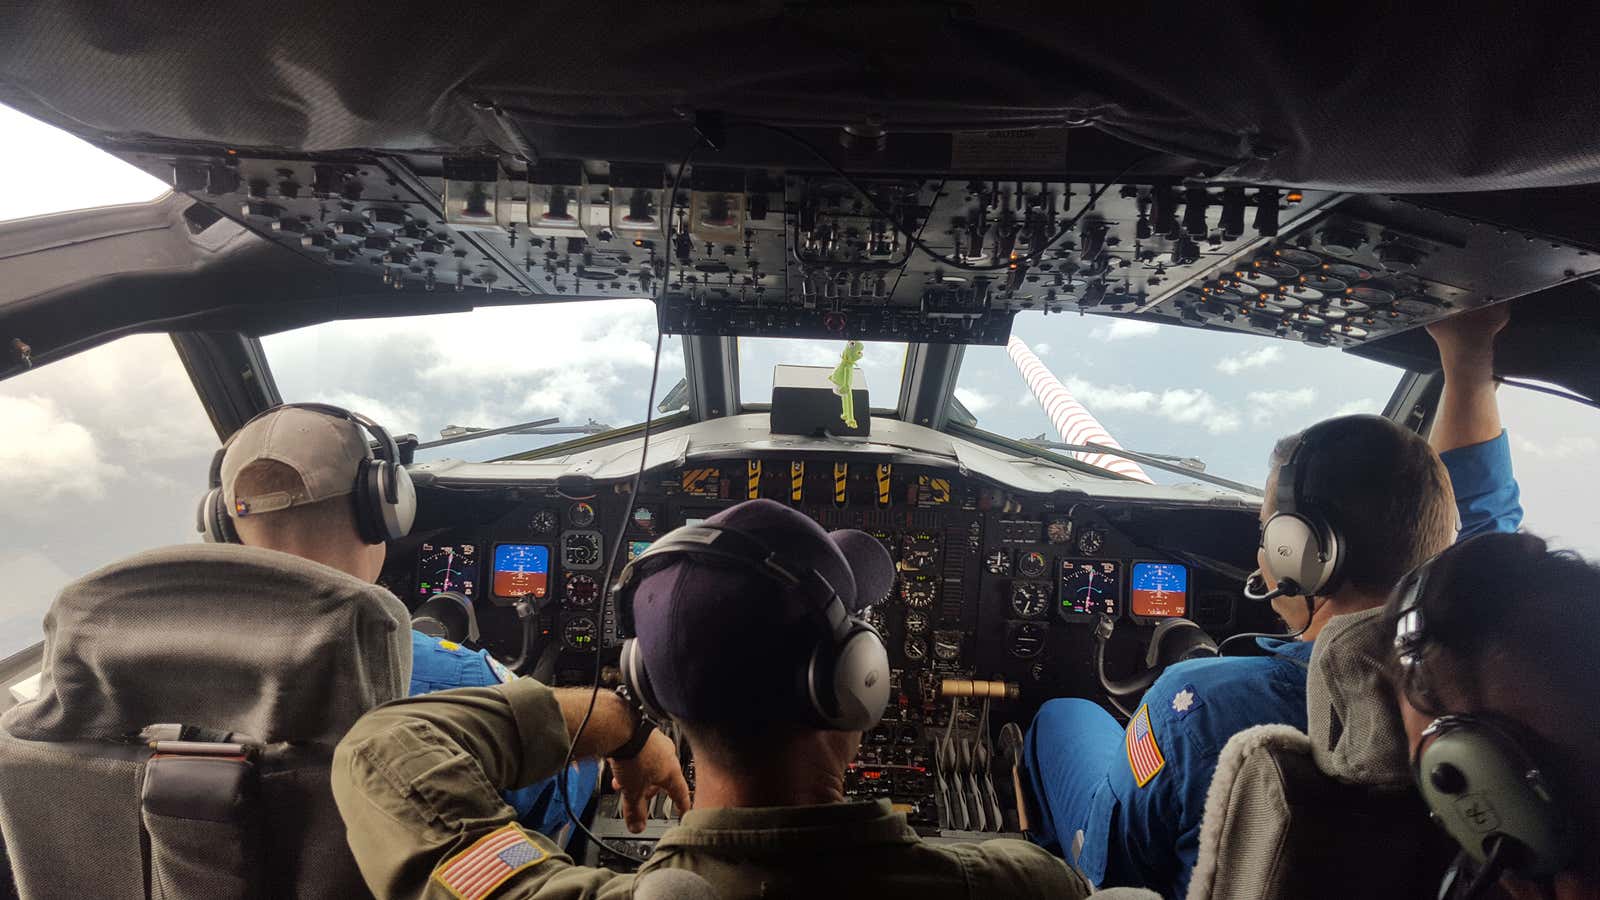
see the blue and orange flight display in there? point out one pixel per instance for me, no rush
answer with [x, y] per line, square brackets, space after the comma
[1160, 590]
[521, 570]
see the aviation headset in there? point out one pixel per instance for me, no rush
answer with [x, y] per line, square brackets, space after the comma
[1476, 774]
[385, 500]
[844, 683]
[1304, 549]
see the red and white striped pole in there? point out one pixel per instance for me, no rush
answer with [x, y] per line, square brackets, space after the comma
[1075, 423]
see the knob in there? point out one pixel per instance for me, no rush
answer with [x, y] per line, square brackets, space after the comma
[1267, 212]
[1195, 201]
[1232, 222]
[1164, 210]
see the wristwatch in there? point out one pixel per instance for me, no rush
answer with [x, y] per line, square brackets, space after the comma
[641, 731]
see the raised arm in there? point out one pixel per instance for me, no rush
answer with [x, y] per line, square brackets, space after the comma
[1467, 431]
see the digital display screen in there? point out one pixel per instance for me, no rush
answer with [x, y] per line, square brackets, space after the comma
[1159, 590]
[447, 567]
[635, 548]
[1090, 588]
[521, 570]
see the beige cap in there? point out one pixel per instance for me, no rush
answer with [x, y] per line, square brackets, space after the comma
[325, 451]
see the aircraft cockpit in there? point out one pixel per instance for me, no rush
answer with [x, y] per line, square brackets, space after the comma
[1042, 350]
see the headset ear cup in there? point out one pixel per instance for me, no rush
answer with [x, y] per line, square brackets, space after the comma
[213, 520]
[368, 500]
[848, 681]
[1294, 551]
[399, 515]
[637, 678]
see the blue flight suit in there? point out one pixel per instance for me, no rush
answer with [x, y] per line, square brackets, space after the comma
[438, 665]
[1125, 804]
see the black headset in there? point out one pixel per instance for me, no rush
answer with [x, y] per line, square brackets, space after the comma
[844, 683]
[1304, 549]
[1476, 774]
[384, 497]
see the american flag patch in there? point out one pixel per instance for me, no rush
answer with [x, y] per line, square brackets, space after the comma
[1144, 757]
[475, 872]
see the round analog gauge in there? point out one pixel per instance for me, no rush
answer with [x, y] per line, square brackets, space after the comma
[1059, 531]
[543, 522]
[1276, 268]
[1027, 640]
[644, 519]
[1256, 279]
[1090, 540]
[1332, 313]
[579, 633]
[919, 551]
[947, 646]
[915, 649]
[581, 515]
[1371, 296]
[917, 594]
[874, 617]
[1029, 600]
[1284, 301]
[1294, 257]
[999, 561]
[581, 591]
[916, 623]
[1347, 272]
[1325, 283]
[886, 538]
[1031, 564]
[1303, 294]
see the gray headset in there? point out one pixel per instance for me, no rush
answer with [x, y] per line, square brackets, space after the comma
[1304, 549]
[384, 497]
[844, 684]
[1478, 777]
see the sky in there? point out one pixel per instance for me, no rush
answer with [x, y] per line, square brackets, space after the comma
[105, 453]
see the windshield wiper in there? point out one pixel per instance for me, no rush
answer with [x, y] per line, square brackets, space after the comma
[460, 434]
[1180, 465]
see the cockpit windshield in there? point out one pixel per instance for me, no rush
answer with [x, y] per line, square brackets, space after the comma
[562, 369]
[1218, 398]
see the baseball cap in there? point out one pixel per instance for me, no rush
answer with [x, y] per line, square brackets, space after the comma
[723, 643]
[323, 450]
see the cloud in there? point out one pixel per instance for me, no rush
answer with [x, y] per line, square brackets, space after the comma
[1268, 405]
[975, 401]
[1124, 329]
[1359, 405]
[1567, 447]
[1027, 399]
[54, 458]
[1255, 359]
[1182, 405]
[1041, 349]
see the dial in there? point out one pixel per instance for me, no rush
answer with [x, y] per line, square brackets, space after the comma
[916, 623]
[917, 592]
[543, 522]
[581, 515]
[644, 519]
[999, 561]
[915, 649]
[1090, 588]
[1030, 600]
[447, 567]
[874, 617]
[947, 645]
[580, 550]
[1090, 540]
[1059, 531]
[581, 592]
[918, 552]
[1031, 564]
[578, 633]
[1027, 640]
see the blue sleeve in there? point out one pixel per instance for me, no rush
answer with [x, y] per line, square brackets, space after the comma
[1487, 497]
[439, 666]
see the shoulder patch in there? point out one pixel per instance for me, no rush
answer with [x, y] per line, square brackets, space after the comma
[499, 669]
[1186, 701]
[1144, 757]
[477, 871]
[452, 646]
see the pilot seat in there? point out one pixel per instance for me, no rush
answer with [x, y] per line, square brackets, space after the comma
[1330, 814]
[180, 744]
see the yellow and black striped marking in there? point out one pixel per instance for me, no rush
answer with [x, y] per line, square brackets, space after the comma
[797, 481]
[701, 482]
[752, 469]
[932, 491]
[884, 470]
[841, 480]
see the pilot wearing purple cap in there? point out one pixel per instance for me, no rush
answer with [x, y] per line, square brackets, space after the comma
[747, 637]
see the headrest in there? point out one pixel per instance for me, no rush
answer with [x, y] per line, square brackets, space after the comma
[1355, 728]
[219, 636]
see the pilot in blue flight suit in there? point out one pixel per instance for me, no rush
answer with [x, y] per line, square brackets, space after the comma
[439, 665]
[1125, 804]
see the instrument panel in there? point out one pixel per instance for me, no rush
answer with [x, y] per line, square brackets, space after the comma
[996, 594]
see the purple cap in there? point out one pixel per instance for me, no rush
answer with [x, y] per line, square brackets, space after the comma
[723, 643]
